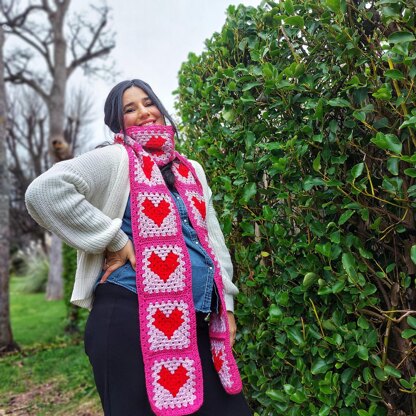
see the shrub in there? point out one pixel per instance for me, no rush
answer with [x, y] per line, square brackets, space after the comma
[35, 268]
[75, 316]
[302, 113]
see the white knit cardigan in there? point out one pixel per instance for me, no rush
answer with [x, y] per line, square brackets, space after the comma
[83, 200]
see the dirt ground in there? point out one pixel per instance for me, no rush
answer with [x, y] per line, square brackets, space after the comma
[47, 400]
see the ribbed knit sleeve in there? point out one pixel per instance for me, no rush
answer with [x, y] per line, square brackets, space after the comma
[217, 240]
[64, 200]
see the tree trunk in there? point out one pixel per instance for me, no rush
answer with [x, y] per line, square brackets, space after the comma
[49, 42]
[6, 336]
[58, 146]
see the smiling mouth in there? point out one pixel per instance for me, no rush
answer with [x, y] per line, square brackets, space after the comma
[148, 123]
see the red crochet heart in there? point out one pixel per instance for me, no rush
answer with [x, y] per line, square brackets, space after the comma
[155, 142]
[200, 206]
[183, 170]
[163, 268]
[147, 166]
[157, 213]
[173, 382]
[168, 324]
[218, 361]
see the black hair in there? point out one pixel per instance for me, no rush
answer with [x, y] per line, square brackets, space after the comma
[114, 118]
[113, 107]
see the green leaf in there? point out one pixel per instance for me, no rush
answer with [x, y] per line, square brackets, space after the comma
[347, 375]
[295, 21]
[289, 389]
[400, 37]
[289, 7]
[380, 374]
[359, 115]
[411, 320]
[413, 253]
[309, 279]
[365, 253]
[339, 102]
[276, 395]
[324, 410]
[320, 366]
[362, 352]
[409, 122]
[334, 5]
[298, 397]
[349, 265]
[392, 371]
[310, 182]
[408, 333]
[393, 165]
[357, 170]
[249, 191]
[275, 313]
[345, 217]
[383, 93]
[324, 249]
[388, 142]
[250, 139]
[405, 384]
[394, 74]
[228, 115]
[250, 85]
[363, 323]
[317, 163]
[367, 375]
[410, 172]
[295, 335]
[338, 287]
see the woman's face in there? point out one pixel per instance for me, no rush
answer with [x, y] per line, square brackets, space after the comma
[139, 110]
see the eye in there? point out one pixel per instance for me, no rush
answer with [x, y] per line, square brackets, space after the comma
[128, 110]
[149, 103]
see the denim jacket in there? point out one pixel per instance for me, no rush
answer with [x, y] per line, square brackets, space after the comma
[203, 287]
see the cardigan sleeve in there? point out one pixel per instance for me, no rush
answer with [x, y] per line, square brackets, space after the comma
[217, 240]
[60, 200]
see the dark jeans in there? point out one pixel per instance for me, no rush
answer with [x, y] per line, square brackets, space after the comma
[113, 347]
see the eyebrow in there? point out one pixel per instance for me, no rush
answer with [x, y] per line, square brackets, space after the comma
[128, 105]
[147, 98]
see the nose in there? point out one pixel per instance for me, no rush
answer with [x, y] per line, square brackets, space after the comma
[143, 112]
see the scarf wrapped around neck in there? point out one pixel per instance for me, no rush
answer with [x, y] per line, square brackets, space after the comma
[167, 317]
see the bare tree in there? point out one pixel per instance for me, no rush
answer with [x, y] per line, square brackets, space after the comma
[27, 145]
[40, 30]
[79, 114]
[44, 37]
[6, 336]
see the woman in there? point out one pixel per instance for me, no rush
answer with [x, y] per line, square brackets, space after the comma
[149, 245]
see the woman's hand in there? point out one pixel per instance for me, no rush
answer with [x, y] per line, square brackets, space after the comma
[116, 259]
[232, 326]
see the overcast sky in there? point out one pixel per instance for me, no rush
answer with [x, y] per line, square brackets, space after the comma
[153, 38]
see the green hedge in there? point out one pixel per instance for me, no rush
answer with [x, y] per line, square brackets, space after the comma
[302, 113]
[75, 316]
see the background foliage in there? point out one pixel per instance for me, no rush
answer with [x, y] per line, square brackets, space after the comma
[75, 317]
[302, 113]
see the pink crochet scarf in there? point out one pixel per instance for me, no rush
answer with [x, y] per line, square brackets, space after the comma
[164, 277]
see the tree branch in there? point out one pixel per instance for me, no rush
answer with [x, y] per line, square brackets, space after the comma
[42, 48]
[18, 20]
[20, 78]
[90, 53]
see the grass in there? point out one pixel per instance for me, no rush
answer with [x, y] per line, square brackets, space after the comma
[51, 375]
[34, 320]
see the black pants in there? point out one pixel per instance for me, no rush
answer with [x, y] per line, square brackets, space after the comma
[113, 347]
